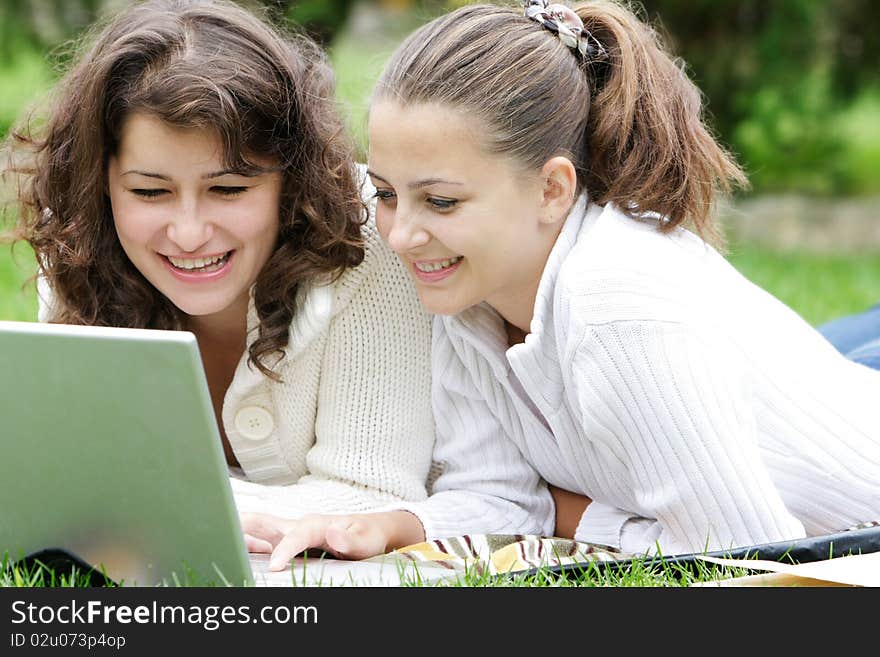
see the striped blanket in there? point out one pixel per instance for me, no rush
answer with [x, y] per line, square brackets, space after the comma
[493, 554]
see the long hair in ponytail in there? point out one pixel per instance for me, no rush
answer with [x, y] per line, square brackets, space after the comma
[631, 122]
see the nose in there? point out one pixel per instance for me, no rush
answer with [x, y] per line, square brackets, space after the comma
[187, 230]
[406, 232]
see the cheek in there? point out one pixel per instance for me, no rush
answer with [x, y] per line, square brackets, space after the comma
[248, 220]
[384, 219]
[263, 210]
[135, 224]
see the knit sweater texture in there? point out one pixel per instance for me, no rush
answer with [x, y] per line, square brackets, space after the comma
[696, 410]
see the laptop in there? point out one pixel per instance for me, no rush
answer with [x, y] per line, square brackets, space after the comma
[110, 452]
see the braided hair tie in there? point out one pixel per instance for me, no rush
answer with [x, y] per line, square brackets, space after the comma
[568, 26]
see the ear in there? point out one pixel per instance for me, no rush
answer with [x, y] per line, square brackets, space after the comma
[560, 184]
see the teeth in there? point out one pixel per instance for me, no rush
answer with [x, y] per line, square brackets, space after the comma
[428, 267]
[198, 263]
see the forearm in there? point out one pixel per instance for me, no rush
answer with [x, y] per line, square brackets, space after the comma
[570, 508]
[401, 528]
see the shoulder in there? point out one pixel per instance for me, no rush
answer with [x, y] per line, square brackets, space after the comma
[380, 264]
[619, 246]
[380, 270]
[378, 292]
[46, 302]
[626, 269]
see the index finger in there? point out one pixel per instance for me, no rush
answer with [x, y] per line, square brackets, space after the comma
[305, 534]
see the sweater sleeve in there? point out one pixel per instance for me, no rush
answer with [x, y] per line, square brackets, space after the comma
[45, 300]
[485, 485]
[673, 406]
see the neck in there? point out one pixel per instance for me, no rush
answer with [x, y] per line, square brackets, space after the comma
[226, 329]
[515, 335]
[518, 307]
[516, 304]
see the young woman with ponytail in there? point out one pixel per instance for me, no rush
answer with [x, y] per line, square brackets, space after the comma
[548, 180]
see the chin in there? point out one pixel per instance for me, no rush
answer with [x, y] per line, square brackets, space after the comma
[198, 308]
[437, 303]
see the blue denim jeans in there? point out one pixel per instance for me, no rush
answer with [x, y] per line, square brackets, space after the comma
[857, 336]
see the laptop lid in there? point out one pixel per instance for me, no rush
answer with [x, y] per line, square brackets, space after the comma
[109, 449]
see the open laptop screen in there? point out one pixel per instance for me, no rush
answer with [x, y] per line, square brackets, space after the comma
[109, 449]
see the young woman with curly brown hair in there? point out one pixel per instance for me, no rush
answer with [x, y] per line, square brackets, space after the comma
[192, 174]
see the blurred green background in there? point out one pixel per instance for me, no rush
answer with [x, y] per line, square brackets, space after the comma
[792, 87]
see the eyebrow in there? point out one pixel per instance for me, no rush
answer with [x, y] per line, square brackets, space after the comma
[213, 174]
[418, 183]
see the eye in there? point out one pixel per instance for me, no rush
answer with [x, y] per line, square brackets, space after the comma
[441, 204]
[228, 191]
[384, 195]
[148, 193]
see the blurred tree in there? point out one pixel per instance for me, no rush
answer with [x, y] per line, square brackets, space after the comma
[857, 45]
[733, 48]
[43, 24]
[776, 75]
[321, 19]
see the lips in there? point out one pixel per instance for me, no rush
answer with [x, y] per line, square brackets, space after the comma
[204, 265]
[204, 269]
[432, 271]
[429, 267]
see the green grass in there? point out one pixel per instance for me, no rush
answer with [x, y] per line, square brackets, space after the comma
[23, 81]
[38, 575]
[819, 286]
[18, 297]
[357, 61]
[356, 71]
[637, 574]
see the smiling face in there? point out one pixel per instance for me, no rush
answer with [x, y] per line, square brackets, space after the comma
[199, 233]
[467, 223]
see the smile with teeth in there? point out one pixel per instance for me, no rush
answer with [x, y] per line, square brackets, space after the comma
[428, 267]
[202, 265]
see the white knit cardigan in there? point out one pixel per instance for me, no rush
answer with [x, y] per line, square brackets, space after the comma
[695, 409]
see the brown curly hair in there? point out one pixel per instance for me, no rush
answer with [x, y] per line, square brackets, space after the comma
[208, 64]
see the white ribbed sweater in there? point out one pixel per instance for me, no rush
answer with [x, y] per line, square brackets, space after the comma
[696, 410]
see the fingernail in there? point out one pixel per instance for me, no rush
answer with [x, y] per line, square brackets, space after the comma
[276, 564]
